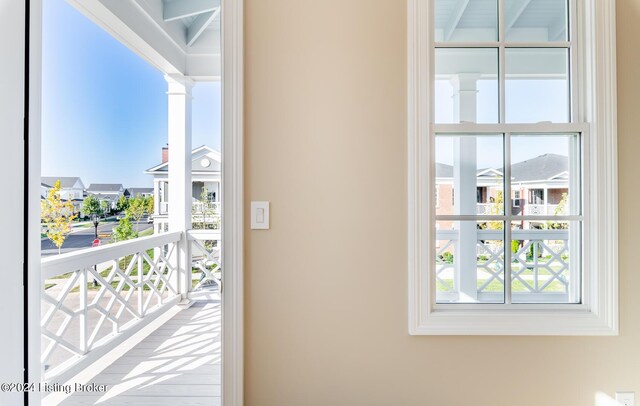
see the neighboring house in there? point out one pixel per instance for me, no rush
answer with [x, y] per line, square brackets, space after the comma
[138, 191]
[537, 187]
[205, 174]
[71, 189]
[110, 192]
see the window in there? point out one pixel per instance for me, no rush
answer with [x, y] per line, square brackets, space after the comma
[503, 102]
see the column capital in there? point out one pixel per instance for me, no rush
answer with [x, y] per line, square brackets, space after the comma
[179, 84]
[465, 82]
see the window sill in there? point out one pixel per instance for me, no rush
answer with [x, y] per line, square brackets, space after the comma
[554, 320]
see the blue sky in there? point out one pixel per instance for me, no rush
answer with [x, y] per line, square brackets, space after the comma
[104, 109]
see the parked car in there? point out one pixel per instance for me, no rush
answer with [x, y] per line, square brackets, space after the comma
[150, 220]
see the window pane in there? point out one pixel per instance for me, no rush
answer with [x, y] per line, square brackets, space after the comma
[466, 88]
[537, 85]
[469, 263]
[469, 174]
[535, 20]
[472, 20]
[543, 171]
[541, 269]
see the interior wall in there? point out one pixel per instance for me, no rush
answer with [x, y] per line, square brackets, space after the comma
[326, 286]
[11, 163]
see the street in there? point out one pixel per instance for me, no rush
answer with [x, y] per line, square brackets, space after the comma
[82, 237]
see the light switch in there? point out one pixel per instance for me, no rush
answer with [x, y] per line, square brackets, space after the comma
[259, 215]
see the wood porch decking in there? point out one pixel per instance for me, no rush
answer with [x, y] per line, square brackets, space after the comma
[177, 364]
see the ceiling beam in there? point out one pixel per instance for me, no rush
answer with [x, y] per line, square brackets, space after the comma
[456, 15]
[200, 24]
[177, 10]
[514, 12]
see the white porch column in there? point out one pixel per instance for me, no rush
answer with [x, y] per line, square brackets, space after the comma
[179, 97]
[465, 187]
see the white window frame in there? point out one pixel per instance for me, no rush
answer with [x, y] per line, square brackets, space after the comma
[595, 87]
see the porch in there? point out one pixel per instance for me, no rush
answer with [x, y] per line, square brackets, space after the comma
[127, 316]
[178, 363]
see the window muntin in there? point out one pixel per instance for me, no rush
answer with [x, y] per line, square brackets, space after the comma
[520, 76]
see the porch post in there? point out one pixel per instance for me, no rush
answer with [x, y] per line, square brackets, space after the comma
[465, 188]
[179, 97]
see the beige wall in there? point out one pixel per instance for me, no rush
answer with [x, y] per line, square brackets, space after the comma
[326, 298]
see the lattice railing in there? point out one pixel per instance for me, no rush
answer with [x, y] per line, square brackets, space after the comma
[206, 215]
[540, 261]
[91, 296]
[206, 249]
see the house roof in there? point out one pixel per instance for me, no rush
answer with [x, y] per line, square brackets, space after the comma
[196, 153]
[65, 181]
[132, 191]
[105, 187]
[543, 167]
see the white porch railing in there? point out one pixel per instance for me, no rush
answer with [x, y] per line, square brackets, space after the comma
[96, 297]
[487, 209]
[164, 208]
[542, 209]
[206, 265]
[539, 269]
[206, 215]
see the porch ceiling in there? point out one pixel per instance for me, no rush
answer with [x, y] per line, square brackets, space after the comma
[176, 36]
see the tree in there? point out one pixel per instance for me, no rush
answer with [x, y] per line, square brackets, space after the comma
[137, 207]
[560, 210]
[57, 215]
[150, 206]
[105, 207]
[123, 204]
[496, 209]
[124, 230]
[91, 205]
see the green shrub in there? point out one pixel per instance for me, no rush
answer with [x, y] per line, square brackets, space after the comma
[447, 257]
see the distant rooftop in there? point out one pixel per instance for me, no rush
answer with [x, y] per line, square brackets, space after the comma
[65, 181]
[133, 191]
[543, 167]
[104, 187]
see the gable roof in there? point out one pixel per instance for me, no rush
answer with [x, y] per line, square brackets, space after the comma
[105, 187]
[201, 150]
[543, 167]
[133, 191]
[65, 181]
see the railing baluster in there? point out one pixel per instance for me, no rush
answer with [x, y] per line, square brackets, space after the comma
[140, 286]
[83, 311]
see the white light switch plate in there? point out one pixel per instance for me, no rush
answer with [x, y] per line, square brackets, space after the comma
[626, 398]
[259, 215]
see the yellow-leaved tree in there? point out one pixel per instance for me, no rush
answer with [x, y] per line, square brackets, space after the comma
[57, 214]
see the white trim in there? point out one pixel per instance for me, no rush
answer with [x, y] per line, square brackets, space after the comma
[233, 203]
[34, 304]
[598, 315]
